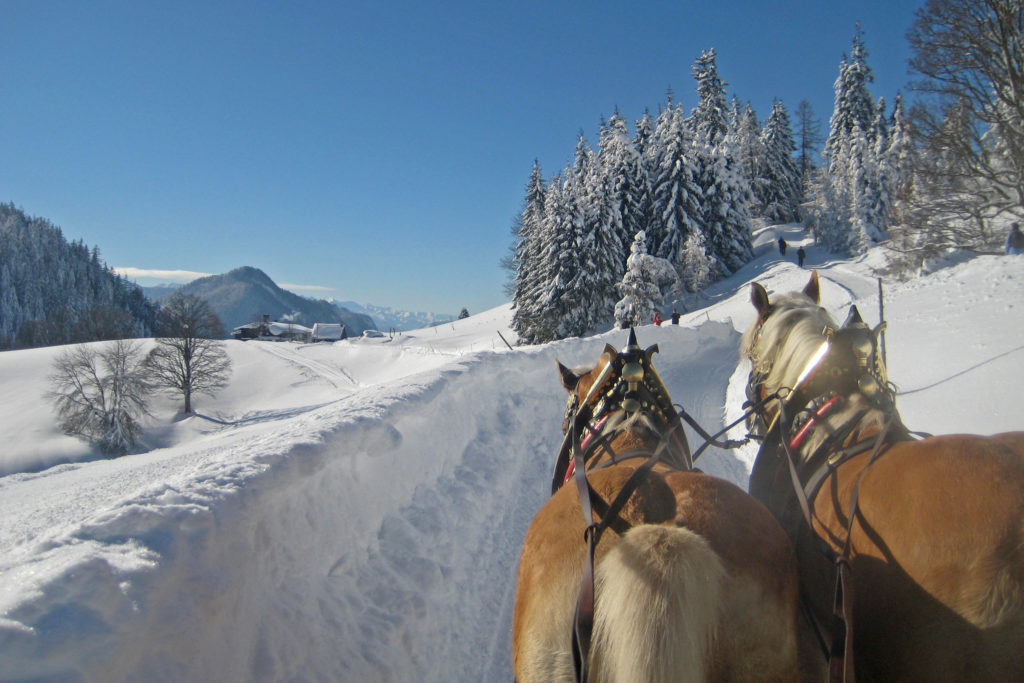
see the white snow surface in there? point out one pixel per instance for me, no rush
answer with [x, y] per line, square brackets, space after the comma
[354, 511]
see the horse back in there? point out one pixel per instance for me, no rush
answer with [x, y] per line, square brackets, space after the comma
[937, 552]
[757, 605]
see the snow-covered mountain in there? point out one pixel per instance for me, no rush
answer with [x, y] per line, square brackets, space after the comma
[354, 511]
[402, 321]
[245, 294]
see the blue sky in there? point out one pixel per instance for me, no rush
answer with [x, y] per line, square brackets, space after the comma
[370, 152]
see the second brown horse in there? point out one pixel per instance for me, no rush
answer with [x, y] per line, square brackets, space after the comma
[695, 581]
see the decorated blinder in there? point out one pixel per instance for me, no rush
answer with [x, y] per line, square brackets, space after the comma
[628, 382]
[862, 343]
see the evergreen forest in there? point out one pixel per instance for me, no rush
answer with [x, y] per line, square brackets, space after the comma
[57, 292]
[686, 188]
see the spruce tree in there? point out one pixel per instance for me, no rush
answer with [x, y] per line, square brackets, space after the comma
[725, 196]
[646, 281]
[675, 194]
[850, 204]
[530, 270]
[854, 104]
[781, 191]
[711, 115]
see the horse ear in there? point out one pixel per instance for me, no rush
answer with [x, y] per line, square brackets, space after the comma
[759, 297]
[610, 350]
[812, 290]
[569, 378]
[853, 318]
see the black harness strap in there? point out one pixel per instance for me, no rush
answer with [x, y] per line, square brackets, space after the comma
[583, 622]
[841, 652]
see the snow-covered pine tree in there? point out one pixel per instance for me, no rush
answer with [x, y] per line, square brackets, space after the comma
[530, 269]
[699, 268]
[854, 104]
[675, 195]
[724, 216]
[598, 193]
[748, 151]
[881, 171]
[625, 183]
[861, 177]
[644, 285]
[571, 294]
[710, 118]
[781, 191]
[899, 160]
[557, 263]
[846, 217]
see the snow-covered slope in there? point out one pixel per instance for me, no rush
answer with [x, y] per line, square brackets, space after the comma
[353, 511]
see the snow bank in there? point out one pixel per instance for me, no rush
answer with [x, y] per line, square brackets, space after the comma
[354, 511]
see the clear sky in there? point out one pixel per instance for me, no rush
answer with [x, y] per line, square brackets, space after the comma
[374, 152]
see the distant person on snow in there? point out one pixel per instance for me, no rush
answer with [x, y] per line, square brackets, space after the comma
[1015, 240]
[800, 256]
[675, 317]
[782, 246]
[657, 319]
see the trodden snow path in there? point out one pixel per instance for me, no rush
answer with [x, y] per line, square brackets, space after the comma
[354, 511]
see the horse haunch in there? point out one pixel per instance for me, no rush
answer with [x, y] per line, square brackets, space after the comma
[710, 561]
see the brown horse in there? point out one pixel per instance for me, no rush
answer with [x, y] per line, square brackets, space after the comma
[929, 533]
[695, 580]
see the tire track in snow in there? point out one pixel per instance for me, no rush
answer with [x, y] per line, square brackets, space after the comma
[335, 376]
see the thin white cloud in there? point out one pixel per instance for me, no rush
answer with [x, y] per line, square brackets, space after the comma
[305, 288]
[189, 275]
[176, 275]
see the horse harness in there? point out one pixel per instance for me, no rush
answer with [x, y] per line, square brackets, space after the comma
[846, 363]
[627, 385]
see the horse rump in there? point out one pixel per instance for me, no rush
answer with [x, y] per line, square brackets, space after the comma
[657, 609]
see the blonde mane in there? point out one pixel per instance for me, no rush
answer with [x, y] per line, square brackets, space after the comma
[779, 348]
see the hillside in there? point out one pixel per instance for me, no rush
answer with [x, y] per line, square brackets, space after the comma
[56, 292]
[354, 511]
[245, 294]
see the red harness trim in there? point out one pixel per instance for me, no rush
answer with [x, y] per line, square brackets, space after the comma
[805, 430]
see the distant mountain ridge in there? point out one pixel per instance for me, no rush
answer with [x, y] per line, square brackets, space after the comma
[399, 320]
[245, 294]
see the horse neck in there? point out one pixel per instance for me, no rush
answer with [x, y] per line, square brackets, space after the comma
[855, 415]
[633, 437]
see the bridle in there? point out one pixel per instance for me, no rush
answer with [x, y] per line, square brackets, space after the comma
[627, 389]
[846, 363]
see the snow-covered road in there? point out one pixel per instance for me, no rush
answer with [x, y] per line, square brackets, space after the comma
[354, 511]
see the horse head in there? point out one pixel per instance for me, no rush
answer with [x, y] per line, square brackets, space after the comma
[798, 354]
[622, 393]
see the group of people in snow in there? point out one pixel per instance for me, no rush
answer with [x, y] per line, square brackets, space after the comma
[800, 253]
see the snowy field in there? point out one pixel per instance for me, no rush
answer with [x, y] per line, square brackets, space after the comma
[353, 512]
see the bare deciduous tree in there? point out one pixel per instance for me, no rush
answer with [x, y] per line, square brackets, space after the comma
[969, 55]
[100, 392]
[808, 139]
[189, 357]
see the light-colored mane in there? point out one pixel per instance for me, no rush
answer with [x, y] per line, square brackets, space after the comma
[780, 348]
